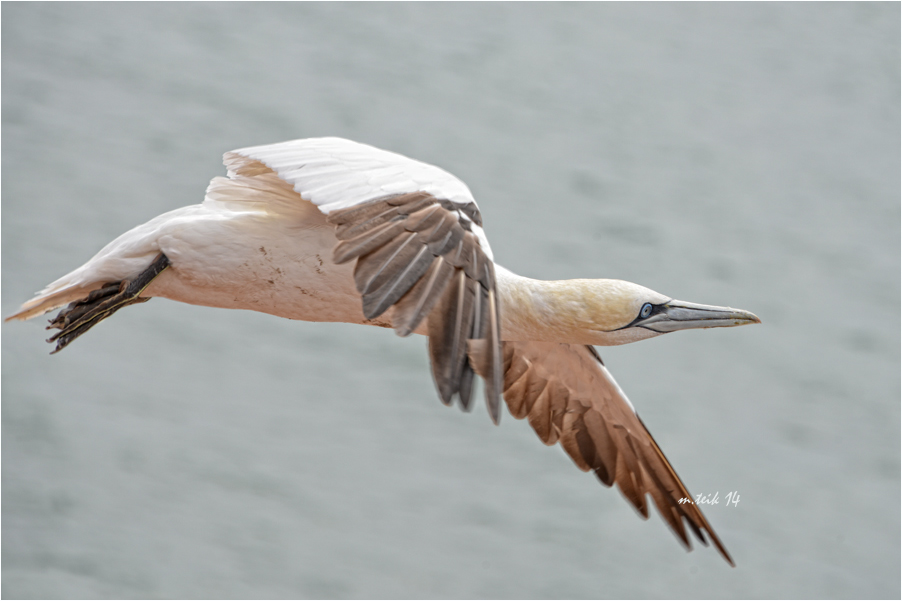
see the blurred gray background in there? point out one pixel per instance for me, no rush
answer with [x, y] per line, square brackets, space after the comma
[742, 154]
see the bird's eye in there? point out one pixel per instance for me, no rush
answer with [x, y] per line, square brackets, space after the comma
[646, 310]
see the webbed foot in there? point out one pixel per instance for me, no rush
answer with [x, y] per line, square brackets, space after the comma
[82, 315]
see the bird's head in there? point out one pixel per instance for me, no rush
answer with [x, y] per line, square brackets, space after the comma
[612, 312]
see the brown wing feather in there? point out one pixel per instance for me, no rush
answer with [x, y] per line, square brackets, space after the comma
[416, 253]
[569, 396]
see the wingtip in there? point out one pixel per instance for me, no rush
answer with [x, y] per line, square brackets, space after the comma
[495, 410]
[706, 530]
[723, 550]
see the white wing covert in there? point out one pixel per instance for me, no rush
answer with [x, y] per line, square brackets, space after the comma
[334, 173]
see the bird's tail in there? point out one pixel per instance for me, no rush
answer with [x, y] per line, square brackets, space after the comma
[90, 304]
[48, 299]
[122, 259]
[80, 283]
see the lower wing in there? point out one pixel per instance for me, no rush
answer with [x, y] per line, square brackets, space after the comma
[570, 397]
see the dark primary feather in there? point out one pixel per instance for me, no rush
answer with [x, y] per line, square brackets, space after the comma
[384, 275]
[417, 254]
[422, 297]
[367, 241]
[448, 332]
[489, 363]
[356, 220]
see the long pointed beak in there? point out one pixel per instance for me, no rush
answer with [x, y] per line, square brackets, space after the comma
[681, 315]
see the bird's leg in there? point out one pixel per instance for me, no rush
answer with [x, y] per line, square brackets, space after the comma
[81, 315]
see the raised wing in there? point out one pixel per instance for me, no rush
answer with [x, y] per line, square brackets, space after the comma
[569, 396]
[415, 233]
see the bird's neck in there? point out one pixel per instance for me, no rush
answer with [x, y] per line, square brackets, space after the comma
[533, 309]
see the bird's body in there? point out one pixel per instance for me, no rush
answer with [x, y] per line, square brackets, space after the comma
[308, 229]
[249, 258]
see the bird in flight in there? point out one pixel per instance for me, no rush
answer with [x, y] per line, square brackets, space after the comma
[326, 229]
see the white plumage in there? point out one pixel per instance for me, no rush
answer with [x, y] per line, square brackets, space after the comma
[328, 229]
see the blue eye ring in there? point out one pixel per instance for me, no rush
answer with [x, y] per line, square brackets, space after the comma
[645, 311]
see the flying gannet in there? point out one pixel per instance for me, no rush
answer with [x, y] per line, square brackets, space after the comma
[326, 229]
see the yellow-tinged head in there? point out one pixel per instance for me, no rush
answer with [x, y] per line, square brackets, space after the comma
[611, 312]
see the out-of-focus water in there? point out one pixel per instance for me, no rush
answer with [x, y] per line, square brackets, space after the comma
[743, 155]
